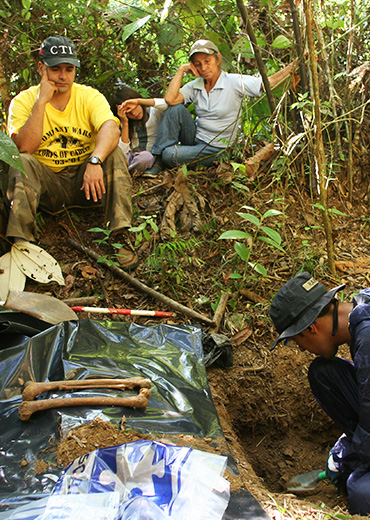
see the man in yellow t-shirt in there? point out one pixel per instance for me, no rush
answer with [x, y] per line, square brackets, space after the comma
[68, 138]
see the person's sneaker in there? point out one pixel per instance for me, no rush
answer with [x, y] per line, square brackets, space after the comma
[124, 251]
[154, 170]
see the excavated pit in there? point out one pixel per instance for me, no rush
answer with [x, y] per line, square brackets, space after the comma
[266, 406]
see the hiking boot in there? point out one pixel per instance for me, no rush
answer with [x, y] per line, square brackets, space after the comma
[155, 170]
[124, 251]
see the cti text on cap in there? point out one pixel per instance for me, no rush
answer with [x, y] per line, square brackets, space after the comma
[58, 49]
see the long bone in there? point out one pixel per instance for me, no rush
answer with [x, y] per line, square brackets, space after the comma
[27, 408]
[33, 389]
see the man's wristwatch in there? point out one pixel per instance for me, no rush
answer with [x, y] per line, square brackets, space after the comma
[95, 160]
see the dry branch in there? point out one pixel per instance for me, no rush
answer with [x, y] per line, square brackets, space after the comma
[142, 287]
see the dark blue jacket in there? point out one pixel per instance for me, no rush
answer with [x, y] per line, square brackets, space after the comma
[351, 454]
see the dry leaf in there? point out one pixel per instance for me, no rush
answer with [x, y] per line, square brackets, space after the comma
[348, 265]
[12, 278]
[241, 336]
[89, 272]
[36, 263]
[182, 206]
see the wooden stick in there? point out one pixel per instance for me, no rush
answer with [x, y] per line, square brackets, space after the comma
[33, 388]
[27, 408]
[142, 287]
[220, 311]
[87, 300]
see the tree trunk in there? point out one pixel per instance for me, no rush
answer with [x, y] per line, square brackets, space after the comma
[261, 65]
[319, 144]
[4, 93]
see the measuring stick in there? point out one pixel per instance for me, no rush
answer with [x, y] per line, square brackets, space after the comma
[126, 312]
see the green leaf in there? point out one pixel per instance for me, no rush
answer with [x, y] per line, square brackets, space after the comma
[272, 234]
[235, 276]
[337, 212]
[259, 269]
[250, 218]
[26, 75]
[133, 27]
[146, 234]
[271, 213]
[99, 230]
[169, 37]
[281, 42]
[234, 234]
[240, 186]
[102, 78]
[272, 243]
[249, 207]
[9, 153]
[242, 251]
[138, 228]
[238, 166]
[154, 226]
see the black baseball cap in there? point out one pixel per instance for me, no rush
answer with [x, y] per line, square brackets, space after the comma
[297, 304]
[58, 49]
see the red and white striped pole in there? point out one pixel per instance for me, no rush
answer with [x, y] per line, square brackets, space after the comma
[126, 312]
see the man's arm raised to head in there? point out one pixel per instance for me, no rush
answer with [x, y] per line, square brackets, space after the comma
[28, 138]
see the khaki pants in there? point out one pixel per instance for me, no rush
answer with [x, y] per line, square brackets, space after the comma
[42, 188]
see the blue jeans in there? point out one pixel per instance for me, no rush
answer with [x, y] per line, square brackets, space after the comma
[177, 126]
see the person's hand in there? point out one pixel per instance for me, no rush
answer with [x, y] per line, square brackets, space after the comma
[121, 112]
[47, 87]
[93, 182]
[189, 68]
[129, 104]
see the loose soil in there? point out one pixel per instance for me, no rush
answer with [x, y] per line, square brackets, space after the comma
[273, 425]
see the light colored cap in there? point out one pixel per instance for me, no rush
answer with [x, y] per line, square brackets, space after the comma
[205, 46]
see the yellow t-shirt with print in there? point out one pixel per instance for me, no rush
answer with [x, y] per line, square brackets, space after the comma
[68, 137]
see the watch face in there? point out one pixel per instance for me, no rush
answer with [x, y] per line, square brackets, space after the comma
[94, 160]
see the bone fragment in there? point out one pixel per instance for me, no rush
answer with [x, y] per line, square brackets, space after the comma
[32, 388]
[27, 408]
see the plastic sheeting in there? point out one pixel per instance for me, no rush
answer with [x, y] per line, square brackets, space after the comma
[170, 356]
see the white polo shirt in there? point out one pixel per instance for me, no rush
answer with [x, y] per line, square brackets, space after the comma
[219, 111]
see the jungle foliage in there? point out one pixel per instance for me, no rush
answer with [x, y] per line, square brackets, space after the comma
[317, 122]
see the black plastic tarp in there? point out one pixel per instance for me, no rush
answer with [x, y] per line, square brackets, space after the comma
[170, 356]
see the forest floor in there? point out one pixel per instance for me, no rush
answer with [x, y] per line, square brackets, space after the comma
[274, 427]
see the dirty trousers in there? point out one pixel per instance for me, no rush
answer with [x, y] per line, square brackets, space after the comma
[41, 188]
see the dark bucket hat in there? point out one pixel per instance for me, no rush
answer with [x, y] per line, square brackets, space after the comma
[297, 304]
[58, 49]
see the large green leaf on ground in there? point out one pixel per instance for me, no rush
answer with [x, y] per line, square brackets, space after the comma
[9, 153]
